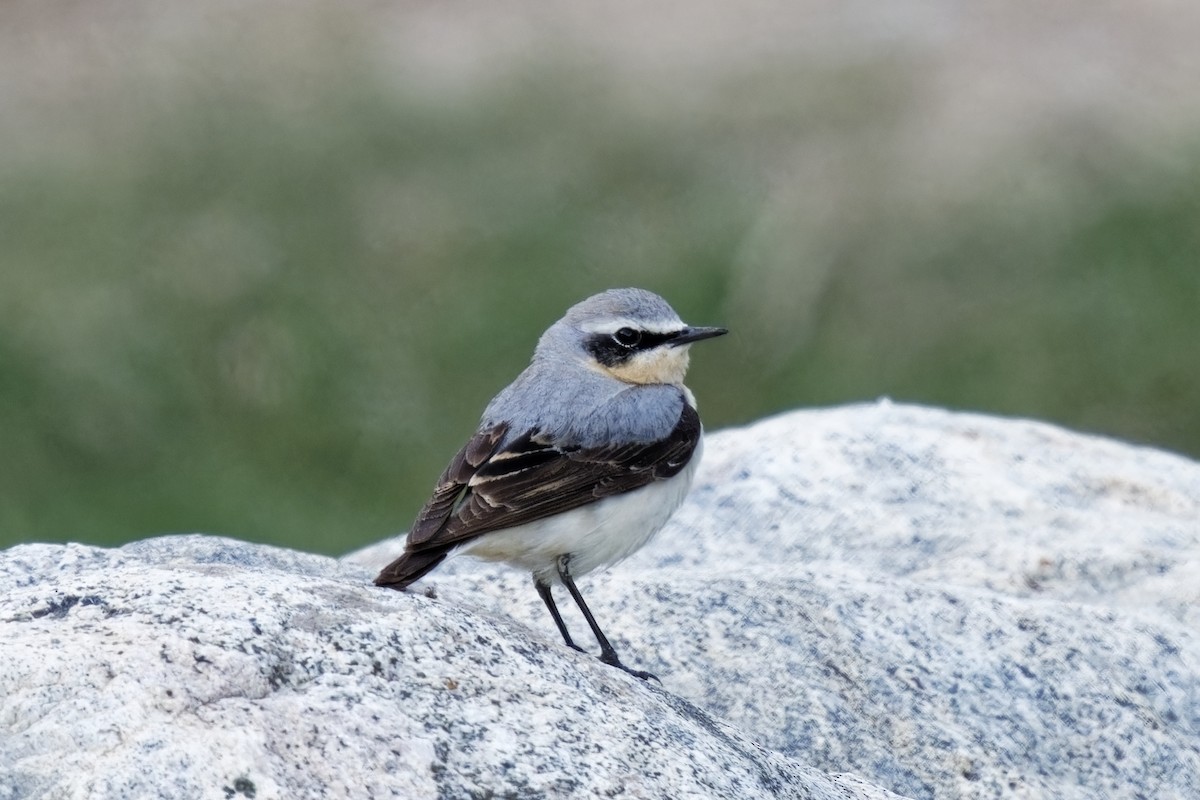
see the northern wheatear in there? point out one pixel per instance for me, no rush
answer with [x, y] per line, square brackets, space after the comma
[576, 463]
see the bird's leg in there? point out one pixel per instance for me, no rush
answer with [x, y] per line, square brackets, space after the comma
[543, 590]
[608, 653]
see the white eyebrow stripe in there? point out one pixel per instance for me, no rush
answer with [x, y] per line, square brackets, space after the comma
[614, 324]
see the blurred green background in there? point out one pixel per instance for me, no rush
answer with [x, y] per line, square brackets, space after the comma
[262, 265]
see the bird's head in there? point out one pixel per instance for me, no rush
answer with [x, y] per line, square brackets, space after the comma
[630, 334]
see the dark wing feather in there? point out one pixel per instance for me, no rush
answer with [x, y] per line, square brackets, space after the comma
[487, 489]
[450, 489]
[453, 483]
[532, 479]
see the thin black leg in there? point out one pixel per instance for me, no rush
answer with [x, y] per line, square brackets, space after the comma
[608, 653]
[543, 590]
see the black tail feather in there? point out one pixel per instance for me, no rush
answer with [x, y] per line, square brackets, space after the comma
[410, 568]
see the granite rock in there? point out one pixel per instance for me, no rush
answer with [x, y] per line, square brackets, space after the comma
[202, 667]
[944, 605]
[947, 604]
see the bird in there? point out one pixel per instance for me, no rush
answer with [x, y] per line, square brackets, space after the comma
[578, 462]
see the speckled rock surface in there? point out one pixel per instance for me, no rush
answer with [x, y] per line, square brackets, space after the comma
[945, 605]
[201, 667]
[948, 605]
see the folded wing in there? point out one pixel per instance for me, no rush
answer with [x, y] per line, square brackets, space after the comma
[487, 487]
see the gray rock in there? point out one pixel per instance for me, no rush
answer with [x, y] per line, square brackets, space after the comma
[202, 667]
[950, 605]
[946, 605]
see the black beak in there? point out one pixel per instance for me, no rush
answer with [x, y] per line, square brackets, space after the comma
[690, 334]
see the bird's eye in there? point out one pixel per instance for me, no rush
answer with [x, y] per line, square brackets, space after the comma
[627, 337]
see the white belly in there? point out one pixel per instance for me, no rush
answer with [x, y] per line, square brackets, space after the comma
[595, 535]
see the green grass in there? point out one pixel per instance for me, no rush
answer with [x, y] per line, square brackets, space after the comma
[276, 317]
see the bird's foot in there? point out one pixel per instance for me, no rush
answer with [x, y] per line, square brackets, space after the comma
[612, 660]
